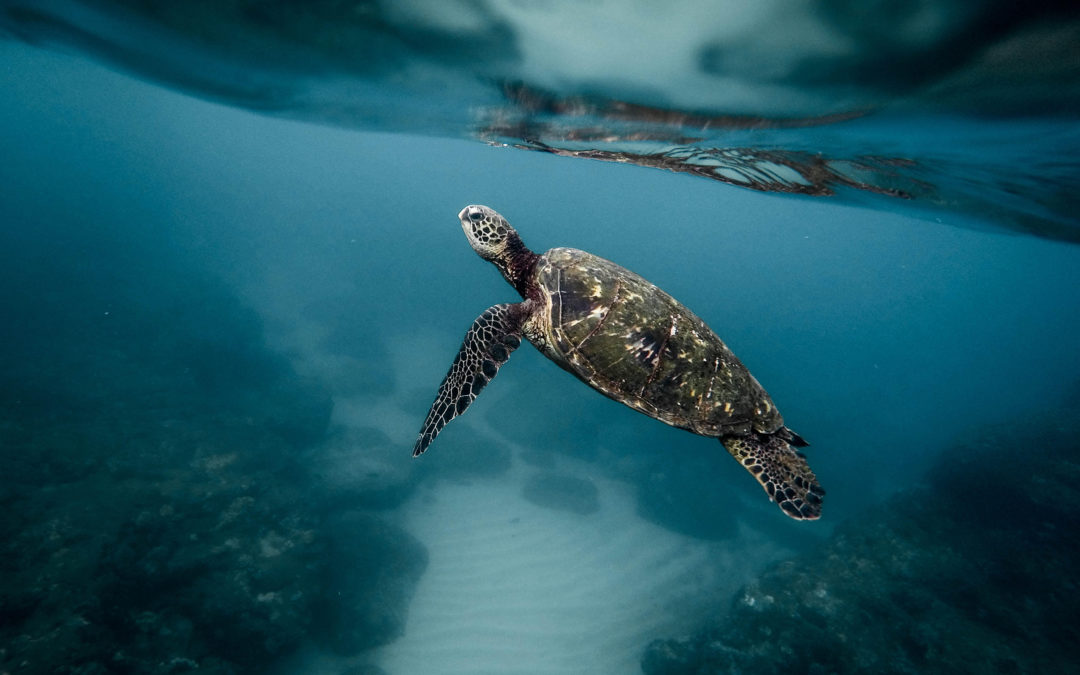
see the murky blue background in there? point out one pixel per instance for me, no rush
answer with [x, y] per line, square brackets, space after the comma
[198, 300]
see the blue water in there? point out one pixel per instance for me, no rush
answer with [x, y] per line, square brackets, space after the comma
[201, 301]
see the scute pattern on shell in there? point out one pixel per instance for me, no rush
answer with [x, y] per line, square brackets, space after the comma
[638, 345]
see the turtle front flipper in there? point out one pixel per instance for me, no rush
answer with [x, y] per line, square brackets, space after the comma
[487, 345]
[781, 470]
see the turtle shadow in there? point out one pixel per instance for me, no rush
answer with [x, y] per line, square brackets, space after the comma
[562, 492]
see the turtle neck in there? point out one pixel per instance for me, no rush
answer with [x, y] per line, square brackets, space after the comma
[517, 264]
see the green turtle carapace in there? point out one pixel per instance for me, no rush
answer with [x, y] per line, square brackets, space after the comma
[632, 342]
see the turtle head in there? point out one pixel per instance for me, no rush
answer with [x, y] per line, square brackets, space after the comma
[489, 234]
[494, 240]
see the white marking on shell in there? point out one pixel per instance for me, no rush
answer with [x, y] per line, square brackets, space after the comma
[712, 380]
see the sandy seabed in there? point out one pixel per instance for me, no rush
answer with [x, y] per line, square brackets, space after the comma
[513, 587]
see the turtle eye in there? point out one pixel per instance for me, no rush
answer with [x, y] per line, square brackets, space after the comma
[476, 215]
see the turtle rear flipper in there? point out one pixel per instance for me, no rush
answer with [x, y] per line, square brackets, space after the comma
[781, 470]
[487, 345]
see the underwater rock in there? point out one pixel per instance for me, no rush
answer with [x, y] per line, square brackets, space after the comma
[233, 575]
[214, 575]
[156, 519]
[361, 468]
[562, 492]
[371, 571]
[951, 577]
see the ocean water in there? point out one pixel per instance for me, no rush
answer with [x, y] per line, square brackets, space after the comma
[233, 278]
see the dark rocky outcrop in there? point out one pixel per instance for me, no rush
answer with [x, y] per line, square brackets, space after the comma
[159, 515]
[971, 573]
[201, 545]
[367, 583]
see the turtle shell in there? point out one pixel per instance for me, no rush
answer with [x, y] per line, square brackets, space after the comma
[638, 345]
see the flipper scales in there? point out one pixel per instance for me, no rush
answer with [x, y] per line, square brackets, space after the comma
[487, 345]
[781, 470]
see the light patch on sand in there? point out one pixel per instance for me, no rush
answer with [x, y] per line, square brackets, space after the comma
[513, 587]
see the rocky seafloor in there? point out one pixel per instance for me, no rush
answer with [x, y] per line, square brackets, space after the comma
[159, 509]
[975, 571]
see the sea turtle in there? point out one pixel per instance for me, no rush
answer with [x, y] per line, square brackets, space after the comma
[630, 341]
